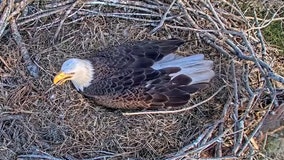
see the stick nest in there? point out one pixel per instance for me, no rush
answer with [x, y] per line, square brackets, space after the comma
[40, 121]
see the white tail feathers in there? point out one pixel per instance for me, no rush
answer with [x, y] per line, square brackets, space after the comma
[198, 69]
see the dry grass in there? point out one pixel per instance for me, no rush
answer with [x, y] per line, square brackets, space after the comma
[39, 120]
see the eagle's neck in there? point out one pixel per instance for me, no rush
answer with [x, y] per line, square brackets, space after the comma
[84, 75]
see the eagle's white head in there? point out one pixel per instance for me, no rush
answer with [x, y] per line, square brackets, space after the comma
[79, 71]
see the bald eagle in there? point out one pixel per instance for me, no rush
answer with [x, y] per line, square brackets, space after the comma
[140, 74]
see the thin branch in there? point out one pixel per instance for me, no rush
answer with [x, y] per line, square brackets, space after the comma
[41, 14]
[139, 8]
[259, 35]
[64, 18]
[143, 4]
[10, 117]
[31, 67]
[200, 148]
[267, 23]
[163, 18]
[209, 143]
[215, 14]
[34, 156]
[5, 15]
[192, 29]
[249, 106]
[19, 8]
[3, 5]
[127, 16]
[238, 135]
[276, 77]
[209, 133]
[184, 151]
[4, 62]
[258, 127]
[246, 80]
[221, 126]
[265, 20]
[59, 4]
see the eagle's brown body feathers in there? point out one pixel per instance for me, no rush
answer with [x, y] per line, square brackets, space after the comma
[123, 77]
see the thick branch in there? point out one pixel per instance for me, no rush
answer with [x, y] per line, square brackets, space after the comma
[32, 68]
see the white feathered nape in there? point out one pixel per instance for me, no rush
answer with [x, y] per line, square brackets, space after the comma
[195, 67]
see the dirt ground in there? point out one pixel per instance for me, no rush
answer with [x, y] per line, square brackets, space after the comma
[41, 120]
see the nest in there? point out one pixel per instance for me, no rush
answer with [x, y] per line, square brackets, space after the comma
[227, 121]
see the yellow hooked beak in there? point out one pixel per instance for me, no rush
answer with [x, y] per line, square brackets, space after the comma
[61, 78]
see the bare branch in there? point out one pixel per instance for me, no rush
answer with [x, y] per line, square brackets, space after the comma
[33, 156]
[5, 15]
[65, 16]
[163, 18]
[32, 68]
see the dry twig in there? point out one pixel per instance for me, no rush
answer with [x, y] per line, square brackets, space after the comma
[163, 18]
[32, 68]
[5, 15]
[65, 16]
